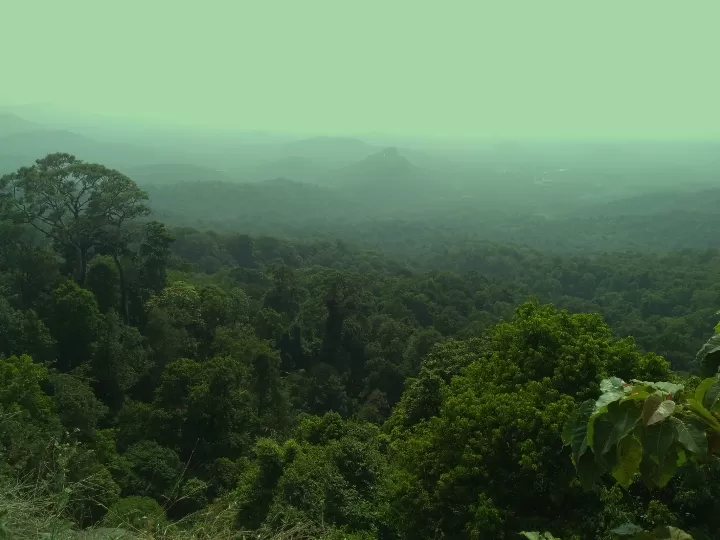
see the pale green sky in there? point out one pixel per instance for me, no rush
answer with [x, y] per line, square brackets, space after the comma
[440, 67]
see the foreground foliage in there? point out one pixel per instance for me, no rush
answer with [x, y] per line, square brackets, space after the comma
[648, 430]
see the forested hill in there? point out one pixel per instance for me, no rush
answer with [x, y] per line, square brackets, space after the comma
[404, 225]
[173, 382]
[666, 302]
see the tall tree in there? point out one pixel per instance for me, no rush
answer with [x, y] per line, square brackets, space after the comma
[75, 323]
[73, 203]
[154, 254]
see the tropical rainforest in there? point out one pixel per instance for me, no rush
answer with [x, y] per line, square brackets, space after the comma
[327, 339]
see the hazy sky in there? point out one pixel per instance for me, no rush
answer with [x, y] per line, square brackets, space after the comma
[464, 68]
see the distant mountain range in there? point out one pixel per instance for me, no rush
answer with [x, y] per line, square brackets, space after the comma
[279, 202]
[21, 142]
[249, 179]
[174, 173]
[692, 201]
[383, 185]
[331, 150]
[11, 124]
[41, 142]
[24, 141]
[297, 168]
[252, 158]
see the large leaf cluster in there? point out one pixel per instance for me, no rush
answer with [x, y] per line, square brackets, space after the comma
[643, 428]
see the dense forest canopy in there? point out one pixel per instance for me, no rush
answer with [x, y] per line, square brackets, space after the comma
[326, 270]
[327, 338]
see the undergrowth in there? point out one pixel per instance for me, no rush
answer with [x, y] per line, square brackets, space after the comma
[32, 507]
[43, 505]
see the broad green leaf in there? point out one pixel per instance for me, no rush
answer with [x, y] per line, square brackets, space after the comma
[599, 430]
[666, 387]
[665, 409]
[569, 428]
[608, 397]
[644, 387]
[702, 413]
[708, 357]
[669, 533]
[591, 426]
[571, 423]
[711, 398]
[702, 389]
[576, 427]
[691, 434]
[636, 395]
[681, 456]
[629, 453]
[624, 418]
[627, 529]
[658, 474]
[613, 383]
[651, 404]
[588, 470]
[602, 428]
[656, 409]
[657, 440]
[534, 535]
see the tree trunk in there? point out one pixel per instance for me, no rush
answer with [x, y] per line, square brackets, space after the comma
[123, 291]
[83, 266]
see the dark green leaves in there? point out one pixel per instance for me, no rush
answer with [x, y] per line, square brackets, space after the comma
[709, 357]
[662, 455]
[708, 393]
[629, 456]
[576, 429]
[657, 440]
[691, 434]
[578, 434]
[702, 413]
[641, 431]
[657, 474]
[624, 418]
[589, 471]
[702, 389]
